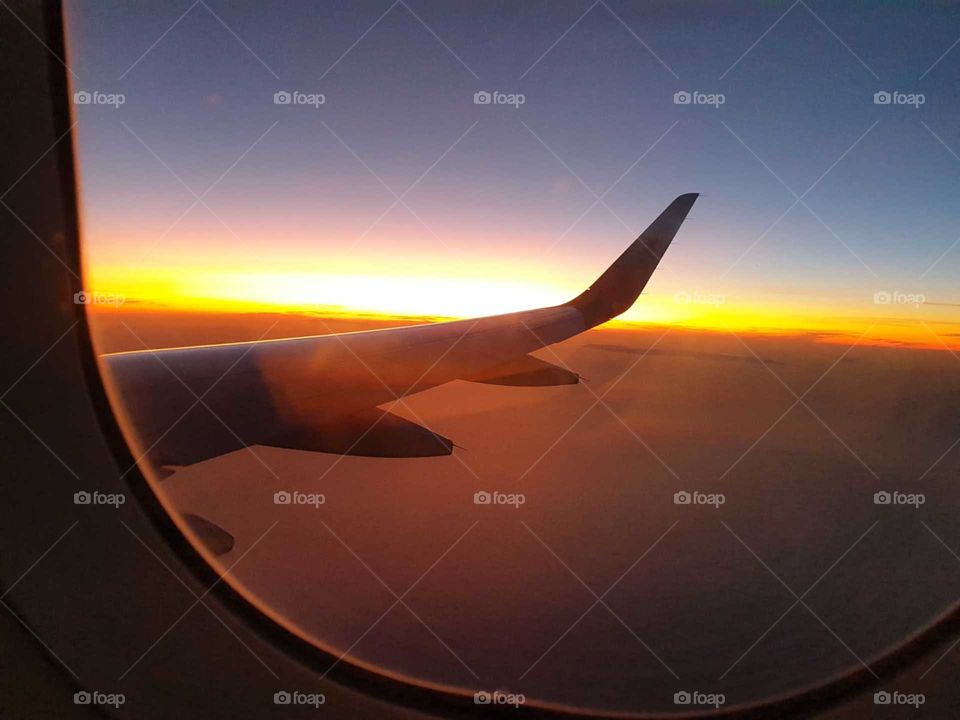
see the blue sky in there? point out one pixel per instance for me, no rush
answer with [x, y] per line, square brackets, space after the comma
[511, 184]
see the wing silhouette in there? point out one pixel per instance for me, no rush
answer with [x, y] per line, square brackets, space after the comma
[321, 393]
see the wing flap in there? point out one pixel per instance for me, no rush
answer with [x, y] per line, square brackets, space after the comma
[375, 433]
[527, 371]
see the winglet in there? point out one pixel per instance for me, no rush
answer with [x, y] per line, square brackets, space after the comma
[620, 285]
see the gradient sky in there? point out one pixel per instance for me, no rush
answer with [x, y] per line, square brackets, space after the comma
[502, 214]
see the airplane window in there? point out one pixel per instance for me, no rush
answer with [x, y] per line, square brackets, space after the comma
[596, 357]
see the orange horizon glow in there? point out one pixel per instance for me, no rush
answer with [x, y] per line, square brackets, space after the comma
[471, 292]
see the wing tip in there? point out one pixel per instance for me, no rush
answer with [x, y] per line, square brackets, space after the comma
[620, 285]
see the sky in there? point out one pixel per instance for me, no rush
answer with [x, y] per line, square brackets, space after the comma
[820, 211]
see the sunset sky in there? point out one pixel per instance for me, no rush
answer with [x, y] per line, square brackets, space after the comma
[498, 208]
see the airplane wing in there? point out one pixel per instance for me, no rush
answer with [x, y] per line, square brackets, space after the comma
[322, 393]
